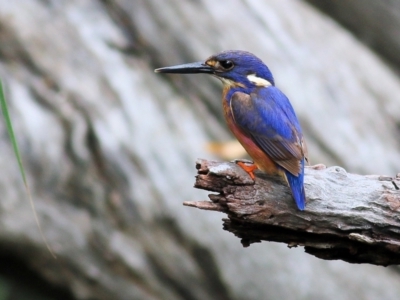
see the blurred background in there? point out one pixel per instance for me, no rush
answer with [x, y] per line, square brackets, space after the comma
[109, 147]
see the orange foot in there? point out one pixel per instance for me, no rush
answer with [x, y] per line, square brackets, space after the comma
[247, 165]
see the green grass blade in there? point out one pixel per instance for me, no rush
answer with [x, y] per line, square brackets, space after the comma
[10, 130]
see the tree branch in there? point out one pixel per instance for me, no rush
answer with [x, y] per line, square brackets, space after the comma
[349, 217]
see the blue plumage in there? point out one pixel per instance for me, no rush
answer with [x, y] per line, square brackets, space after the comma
[258, 114]
[266, 115]
[245, 63]
[296, 184]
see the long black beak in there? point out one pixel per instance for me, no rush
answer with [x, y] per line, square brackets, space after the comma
[192, 68]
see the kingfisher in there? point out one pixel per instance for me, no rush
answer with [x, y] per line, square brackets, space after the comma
[259, 115]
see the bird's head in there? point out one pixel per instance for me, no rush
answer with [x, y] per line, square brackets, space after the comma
[233, 67]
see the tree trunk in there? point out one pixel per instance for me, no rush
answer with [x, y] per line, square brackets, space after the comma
[109, 146]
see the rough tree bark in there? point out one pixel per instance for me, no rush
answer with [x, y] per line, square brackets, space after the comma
[108, 145]
[373, 22]
[349, 217]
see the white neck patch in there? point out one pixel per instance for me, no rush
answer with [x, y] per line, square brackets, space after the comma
[258, 81]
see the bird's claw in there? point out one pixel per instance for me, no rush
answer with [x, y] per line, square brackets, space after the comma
[246, 165]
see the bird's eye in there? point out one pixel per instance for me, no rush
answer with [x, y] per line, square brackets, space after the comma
[226, 64]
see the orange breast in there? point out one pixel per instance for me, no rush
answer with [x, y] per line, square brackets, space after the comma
[260, 158]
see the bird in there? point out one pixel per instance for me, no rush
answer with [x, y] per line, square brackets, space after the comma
[258, 114]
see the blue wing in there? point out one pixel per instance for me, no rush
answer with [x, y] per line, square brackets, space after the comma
[267, 116]
[296, 184]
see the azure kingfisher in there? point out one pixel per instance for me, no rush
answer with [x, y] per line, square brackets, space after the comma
[258, 114]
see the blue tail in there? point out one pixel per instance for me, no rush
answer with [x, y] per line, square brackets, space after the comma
[296, 184]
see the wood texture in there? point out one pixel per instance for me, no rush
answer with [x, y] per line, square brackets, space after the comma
[349, 217]
[109, 146]
[375, 23]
